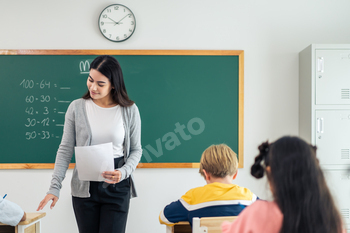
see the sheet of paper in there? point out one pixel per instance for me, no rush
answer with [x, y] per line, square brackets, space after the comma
[91, 161]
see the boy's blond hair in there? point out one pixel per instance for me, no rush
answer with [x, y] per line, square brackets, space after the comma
[219, 161]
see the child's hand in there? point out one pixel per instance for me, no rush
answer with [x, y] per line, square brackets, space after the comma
[24, 217]
[47, 198]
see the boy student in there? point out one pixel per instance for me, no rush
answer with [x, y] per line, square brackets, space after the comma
[219, 197]
[10, 213]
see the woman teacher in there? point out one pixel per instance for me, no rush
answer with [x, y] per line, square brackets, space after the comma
[104, 114]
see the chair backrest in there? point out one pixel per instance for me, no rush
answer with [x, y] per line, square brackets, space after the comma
[209, 224]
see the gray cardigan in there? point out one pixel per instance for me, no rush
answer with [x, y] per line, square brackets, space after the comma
[77, 132]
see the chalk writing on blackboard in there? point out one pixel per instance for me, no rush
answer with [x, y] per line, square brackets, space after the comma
[40, 119]
[84, 67]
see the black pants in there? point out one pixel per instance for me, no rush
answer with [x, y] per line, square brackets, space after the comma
[106, 210]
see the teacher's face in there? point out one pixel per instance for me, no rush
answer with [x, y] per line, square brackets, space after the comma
[99, 85]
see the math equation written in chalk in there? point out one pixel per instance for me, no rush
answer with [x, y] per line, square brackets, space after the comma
[41, 119]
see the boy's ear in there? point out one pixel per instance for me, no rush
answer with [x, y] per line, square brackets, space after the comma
[206, 175]
[235, 175]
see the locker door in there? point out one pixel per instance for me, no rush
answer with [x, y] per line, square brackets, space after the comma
[333, 136]
[332, 76]
[338, 182]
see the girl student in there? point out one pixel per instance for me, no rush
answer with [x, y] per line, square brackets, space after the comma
[302, 200]
[104, 114]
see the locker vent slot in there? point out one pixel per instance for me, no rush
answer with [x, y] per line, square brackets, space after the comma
[345, 213]
[345, 154]
[345, 94]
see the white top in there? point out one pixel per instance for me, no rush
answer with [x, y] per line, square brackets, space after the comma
[106, 126]
[10, 213]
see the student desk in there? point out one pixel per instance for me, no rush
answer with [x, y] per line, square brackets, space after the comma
[180, 227]
[31, 225]
[201, 225]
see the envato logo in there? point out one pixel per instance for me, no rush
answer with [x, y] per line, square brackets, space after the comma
[171, 139]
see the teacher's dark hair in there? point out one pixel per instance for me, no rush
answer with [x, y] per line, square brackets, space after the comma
[298, 185]
[110, 67]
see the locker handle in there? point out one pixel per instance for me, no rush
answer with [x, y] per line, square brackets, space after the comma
[320, 124]
[320, 64]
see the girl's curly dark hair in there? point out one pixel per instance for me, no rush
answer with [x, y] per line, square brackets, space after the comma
[260, 162]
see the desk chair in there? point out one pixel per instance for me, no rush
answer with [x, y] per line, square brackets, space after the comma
[32, 224]
[180, 227]
[209, 224]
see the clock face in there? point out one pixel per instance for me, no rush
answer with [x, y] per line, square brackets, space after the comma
[117, 23]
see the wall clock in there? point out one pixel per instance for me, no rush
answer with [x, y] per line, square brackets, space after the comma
[117, 23]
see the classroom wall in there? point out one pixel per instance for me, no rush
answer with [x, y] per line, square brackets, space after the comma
[271, 33]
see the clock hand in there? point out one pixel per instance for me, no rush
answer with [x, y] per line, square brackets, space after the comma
[114, 21]
[123, 18]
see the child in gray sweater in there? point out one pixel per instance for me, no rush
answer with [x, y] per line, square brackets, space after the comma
[11, 213]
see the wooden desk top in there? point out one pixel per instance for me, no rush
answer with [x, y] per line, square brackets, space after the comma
[31, 217]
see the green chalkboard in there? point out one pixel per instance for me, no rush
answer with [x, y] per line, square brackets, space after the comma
[186, 102]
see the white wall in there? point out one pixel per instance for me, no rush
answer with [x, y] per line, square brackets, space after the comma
[271, 32]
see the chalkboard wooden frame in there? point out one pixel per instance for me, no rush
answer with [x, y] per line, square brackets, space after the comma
[239, 53]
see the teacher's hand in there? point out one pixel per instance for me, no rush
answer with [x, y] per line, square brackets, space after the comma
[112, 177]
[47, 198]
